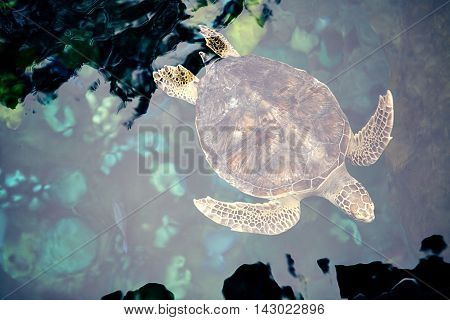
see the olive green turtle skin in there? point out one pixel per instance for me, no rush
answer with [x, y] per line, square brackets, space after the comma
[275, 132]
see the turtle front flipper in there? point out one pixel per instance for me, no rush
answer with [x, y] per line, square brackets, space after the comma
[270, 218]
[368, 144]
[177, 82]
[218, 43]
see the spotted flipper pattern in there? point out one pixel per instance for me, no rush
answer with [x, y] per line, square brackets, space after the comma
[354, 199]
[368, 144]
[177, 82]
[218, 43]
[270, 218]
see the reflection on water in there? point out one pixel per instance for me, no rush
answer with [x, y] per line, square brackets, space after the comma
[66, 92]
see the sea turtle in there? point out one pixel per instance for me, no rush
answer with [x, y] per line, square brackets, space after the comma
[253, 113]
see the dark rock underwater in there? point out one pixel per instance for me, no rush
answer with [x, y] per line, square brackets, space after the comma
[119, 38]
[150, 291]
[430, 279]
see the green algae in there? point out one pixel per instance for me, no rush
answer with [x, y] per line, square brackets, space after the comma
[166, 177]
[177, 278]
[245, 33]
[19, 258]
[70, 188]
[165, 232]
[303, 41]
[69, 236]
[61, 120]
[11, 90]
[12, 117]
[105, 121]
[345, 229]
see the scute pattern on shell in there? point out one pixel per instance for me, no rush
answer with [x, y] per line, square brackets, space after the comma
[268, 128]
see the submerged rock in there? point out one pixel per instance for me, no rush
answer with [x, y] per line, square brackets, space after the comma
[435, 244]
[151, 291]
[254, 282]
[69, 236]
[19, 258]
[430, 279]
[324, 265]
[116, 295]
[297, 275]
[70, 188]
[291, 266]
[120, 38]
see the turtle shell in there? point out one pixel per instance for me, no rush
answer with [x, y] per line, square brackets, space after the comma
[267, 128]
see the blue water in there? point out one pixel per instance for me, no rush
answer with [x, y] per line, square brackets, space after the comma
[70, 152]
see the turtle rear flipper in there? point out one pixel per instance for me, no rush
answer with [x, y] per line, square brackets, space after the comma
[268, 218]
[177, 82]
[218, 43]
[368, 144]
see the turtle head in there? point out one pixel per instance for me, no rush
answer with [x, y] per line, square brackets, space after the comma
[356, 202]
[349, 195]
[208, 60]
[204, 57]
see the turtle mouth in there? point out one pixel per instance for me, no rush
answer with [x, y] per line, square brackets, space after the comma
[364, 213]
[366, 216]
[369, 218]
